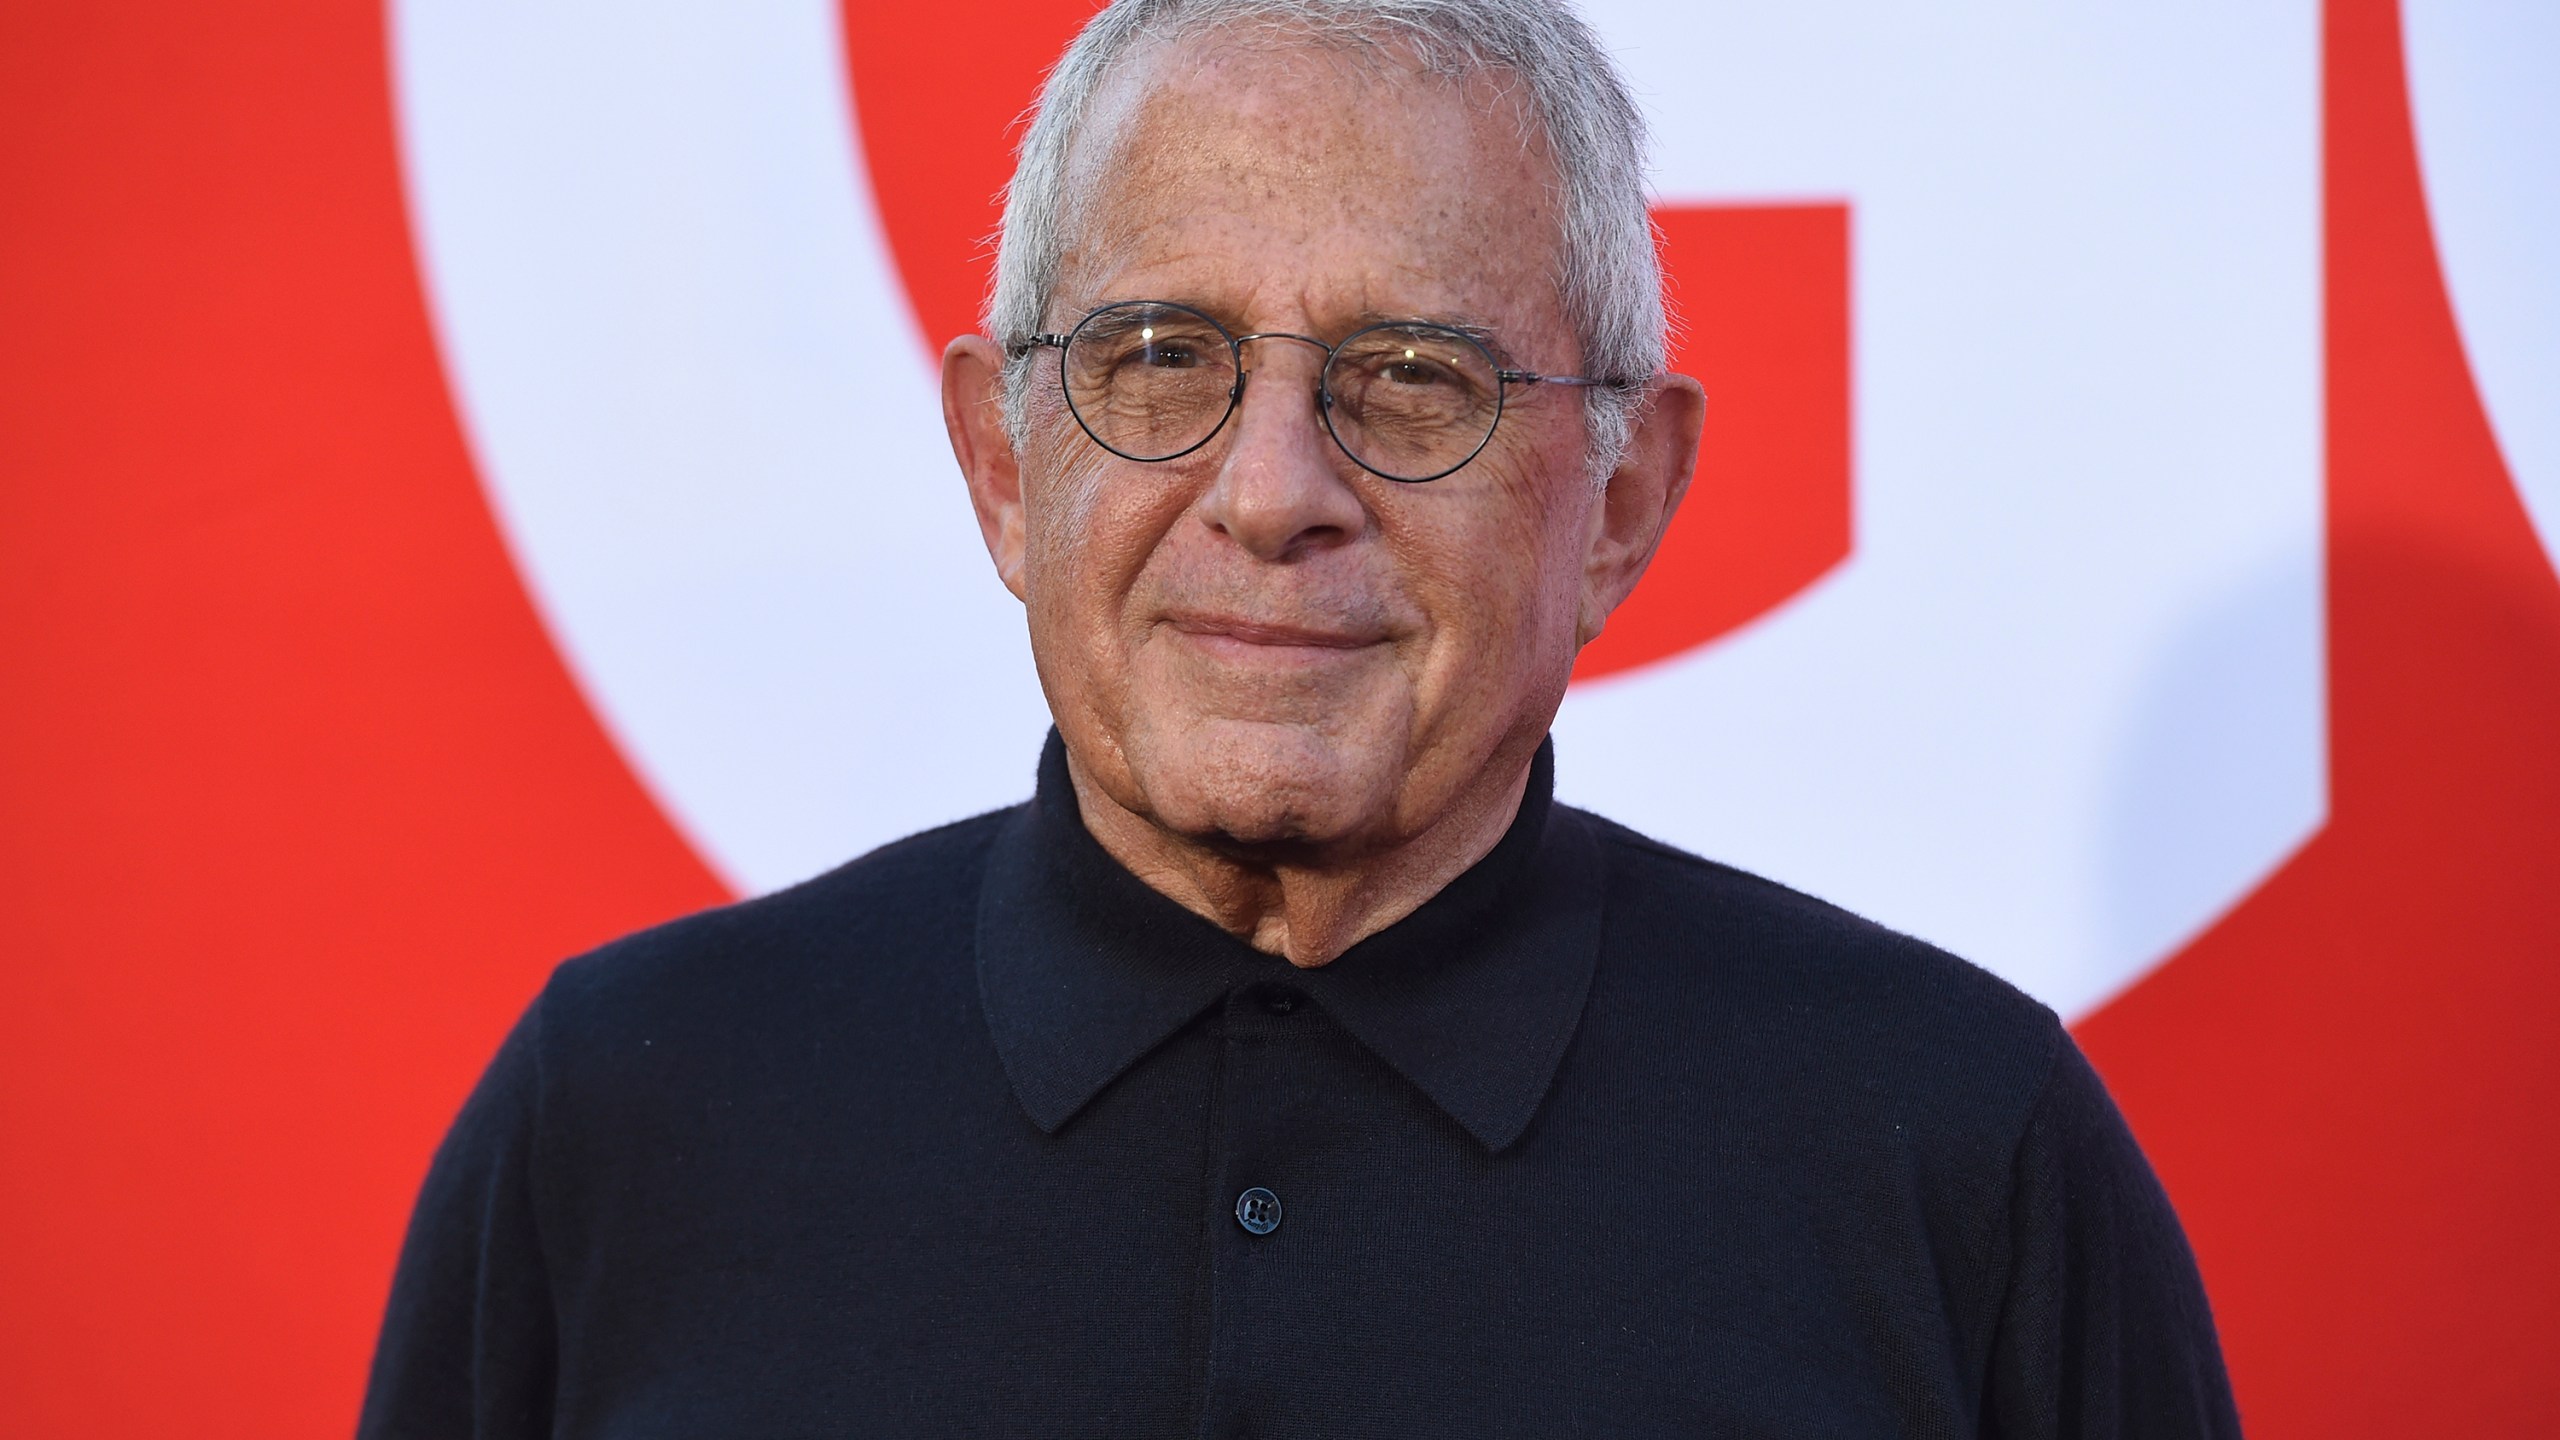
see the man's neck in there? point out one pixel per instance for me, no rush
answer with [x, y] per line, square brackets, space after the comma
[1307, 907]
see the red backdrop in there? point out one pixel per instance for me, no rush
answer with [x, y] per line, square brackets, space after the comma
[300, 803]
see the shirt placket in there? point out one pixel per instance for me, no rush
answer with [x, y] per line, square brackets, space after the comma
[1260, 1237]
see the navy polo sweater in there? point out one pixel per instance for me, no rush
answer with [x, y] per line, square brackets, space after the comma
[978, 1135]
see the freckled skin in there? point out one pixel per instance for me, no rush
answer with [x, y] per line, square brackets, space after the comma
[1307, 794]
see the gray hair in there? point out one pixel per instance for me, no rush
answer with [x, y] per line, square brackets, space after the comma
[1609, 280]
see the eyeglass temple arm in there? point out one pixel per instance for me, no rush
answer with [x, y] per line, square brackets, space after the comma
[1585, 382]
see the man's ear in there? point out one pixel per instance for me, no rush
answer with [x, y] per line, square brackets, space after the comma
[973, 411]
[1643, 493]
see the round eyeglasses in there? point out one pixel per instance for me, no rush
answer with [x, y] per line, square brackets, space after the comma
[1407, 400]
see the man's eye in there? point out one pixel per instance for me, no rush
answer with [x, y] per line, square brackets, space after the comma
[1174, 356]
[1407, 368]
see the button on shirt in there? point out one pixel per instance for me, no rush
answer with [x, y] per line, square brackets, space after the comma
[978, 1135]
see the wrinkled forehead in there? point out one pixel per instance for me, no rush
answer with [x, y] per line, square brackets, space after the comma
[1257, 139]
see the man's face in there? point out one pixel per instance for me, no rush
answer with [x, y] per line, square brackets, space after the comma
[1260, 642]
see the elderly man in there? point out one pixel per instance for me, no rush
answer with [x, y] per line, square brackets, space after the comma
[1291, 1064]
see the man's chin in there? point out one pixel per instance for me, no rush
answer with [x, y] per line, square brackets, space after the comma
[1258, 784]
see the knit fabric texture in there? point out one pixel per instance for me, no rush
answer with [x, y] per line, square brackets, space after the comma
[1603, 1140]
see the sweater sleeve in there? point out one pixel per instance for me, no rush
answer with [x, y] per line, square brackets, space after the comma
[2104, 1333]
[467, 1346]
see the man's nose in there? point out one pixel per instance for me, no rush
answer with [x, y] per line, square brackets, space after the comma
[1280, 490]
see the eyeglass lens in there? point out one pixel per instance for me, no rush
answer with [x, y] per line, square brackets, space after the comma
[1153, 381]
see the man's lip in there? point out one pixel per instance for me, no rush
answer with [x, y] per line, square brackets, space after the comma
[1260, 632]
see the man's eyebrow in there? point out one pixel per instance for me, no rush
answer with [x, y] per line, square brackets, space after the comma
[1467, 325]
[1478, 330]
[1474, 327]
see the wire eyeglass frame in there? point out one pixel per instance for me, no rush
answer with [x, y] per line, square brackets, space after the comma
[1326, 402]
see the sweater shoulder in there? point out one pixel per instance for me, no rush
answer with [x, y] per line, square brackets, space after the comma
[871, 921]
[1833, 988]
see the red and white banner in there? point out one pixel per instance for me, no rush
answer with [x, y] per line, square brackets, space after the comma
[474, 485]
